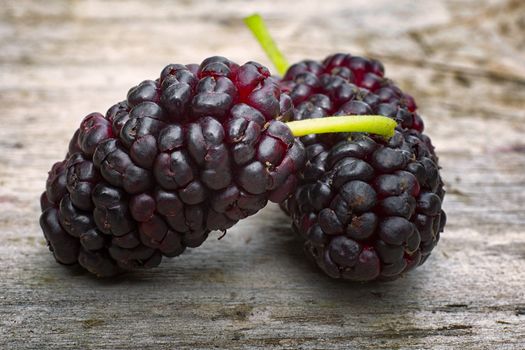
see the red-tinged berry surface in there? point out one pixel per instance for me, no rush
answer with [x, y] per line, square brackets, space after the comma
[343, 84]
[195, 150]
[367, 208]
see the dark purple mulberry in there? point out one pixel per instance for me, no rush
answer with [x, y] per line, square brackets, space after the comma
[367, 208]
[196, 150]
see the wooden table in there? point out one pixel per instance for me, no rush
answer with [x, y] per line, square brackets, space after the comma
[464, 61]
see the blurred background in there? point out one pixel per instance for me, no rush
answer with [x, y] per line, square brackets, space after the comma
[460, 59]
[463, 61]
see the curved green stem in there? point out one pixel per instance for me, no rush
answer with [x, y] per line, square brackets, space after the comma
[256, 24]
[373, 124]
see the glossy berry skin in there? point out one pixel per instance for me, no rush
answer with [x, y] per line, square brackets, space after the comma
[195, 150]
[367, 208]
[343, 84]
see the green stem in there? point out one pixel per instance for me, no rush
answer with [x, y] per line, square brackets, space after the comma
[373, 124]
[256, 24]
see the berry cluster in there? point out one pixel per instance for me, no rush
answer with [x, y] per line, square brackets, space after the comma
[195, 150]
[204, 146]
[366, 207]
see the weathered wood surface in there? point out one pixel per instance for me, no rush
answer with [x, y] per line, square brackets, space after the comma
[464, 62]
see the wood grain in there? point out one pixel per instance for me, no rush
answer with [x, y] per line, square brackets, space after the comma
[463, 61]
